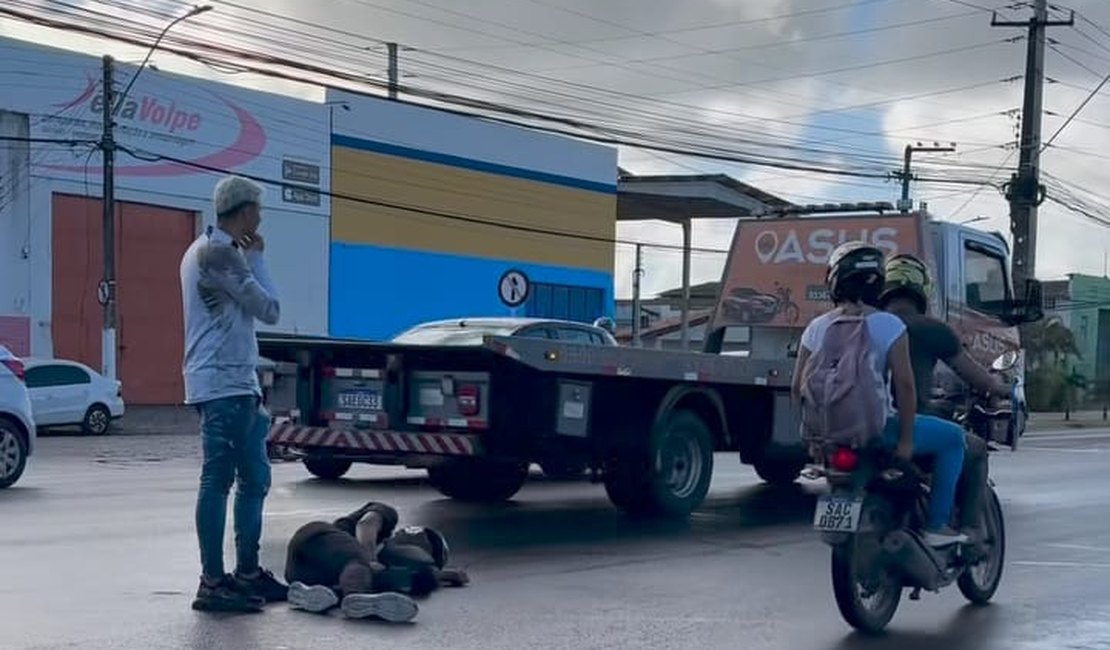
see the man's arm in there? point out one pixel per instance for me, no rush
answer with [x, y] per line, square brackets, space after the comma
[905, 393]
[956, 358]
[974, 374]
[250, 286]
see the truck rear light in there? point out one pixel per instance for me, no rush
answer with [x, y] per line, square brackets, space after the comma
[15, 366]
[467, 396]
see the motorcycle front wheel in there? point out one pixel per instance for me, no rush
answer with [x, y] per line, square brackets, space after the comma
[980, 581]
[867, 591]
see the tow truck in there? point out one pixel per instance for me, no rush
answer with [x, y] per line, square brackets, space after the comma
[646, 423]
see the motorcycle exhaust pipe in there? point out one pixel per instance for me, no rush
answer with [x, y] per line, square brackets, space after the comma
[917, 561]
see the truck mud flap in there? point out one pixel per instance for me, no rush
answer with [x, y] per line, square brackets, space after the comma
[376, 441]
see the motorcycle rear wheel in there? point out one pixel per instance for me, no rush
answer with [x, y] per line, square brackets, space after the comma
[980, 582]
[849, 568]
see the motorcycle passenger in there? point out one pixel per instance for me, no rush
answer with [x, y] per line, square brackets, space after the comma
[906, 293]
[855, 278]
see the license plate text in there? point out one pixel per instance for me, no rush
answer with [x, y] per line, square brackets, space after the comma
[837, 514]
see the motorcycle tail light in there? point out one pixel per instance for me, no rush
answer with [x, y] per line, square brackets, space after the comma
[843, 460]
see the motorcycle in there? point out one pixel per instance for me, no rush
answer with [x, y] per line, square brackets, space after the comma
[873, 518]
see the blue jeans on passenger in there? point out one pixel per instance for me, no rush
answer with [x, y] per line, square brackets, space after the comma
[945, 442]
[233, 442]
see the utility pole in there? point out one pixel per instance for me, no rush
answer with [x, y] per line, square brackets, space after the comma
[392, 70]
[1024, 191]
[636, 307]
[106, 292]
[905, 205]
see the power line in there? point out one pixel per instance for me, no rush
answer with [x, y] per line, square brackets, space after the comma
[584, 130]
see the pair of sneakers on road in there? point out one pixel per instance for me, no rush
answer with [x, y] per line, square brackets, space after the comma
[239, 593]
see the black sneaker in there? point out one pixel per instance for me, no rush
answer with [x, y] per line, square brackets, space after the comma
[264, 585]
[227, 595]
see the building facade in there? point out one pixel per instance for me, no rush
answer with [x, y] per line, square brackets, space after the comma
[432, 208]
[170, 129]
[1084, 308]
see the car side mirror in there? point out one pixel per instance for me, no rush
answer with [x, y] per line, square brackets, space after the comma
[1028, 309]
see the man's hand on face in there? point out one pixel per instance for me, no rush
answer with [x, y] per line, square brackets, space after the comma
[252, 241]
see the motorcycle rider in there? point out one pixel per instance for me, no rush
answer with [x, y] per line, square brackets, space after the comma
[855, 278]
[906, 293]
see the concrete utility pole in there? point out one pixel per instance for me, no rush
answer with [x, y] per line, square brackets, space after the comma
[905, 205]
[106, 292]
[636, 307]
[392, 47]
[1024, 191]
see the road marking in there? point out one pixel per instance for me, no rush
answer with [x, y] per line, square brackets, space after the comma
[1081, 547]
[1073, 565]
[1063, 434]
[1065, 450]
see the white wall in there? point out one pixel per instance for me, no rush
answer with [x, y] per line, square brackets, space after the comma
[15, 221]
[211, 124]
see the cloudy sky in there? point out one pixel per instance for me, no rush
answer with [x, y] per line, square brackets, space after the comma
[834, 84]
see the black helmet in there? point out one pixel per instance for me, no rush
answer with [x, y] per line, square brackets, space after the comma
[855, 273]
[907, 276]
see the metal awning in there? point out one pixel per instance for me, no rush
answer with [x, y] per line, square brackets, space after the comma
[681, 199]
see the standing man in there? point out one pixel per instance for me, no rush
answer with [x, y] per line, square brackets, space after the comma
[225, 286]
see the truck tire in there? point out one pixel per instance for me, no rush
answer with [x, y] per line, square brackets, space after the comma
[328, 469]
[479, 481]
[670, 476]
[779, 472]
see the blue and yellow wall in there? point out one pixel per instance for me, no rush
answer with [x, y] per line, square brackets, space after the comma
[431, 208]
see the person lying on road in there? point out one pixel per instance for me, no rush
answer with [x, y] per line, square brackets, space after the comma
[357, 562]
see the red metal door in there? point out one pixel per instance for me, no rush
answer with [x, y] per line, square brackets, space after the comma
[150, 241]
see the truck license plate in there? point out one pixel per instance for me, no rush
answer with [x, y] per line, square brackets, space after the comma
[361, 400]
[837, 514]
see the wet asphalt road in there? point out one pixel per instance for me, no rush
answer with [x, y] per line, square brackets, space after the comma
[97, 551]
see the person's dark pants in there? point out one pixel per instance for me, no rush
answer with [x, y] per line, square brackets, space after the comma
[233, 442]
[973, 481]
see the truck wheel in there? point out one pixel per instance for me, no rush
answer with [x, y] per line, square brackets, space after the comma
[327, 468]
[479, 482]
[671, 477]
[779, 472]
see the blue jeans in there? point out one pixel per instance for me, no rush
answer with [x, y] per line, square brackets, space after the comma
[945, 442]
[233, 440]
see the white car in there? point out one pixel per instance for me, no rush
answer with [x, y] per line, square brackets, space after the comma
[17, 422]
[67, 392]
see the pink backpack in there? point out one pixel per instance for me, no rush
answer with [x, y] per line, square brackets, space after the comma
[841, 394]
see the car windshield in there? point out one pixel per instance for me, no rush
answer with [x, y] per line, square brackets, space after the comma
[453, 334]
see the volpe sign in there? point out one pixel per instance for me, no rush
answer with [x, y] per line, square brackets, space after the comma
[775, 275]
[203, 128]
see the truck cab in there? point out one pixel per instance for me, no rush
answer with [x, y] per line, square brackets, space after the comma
[785, 254]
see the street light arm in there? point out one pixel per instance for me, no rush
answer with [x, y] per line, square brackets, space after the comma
[195, 11]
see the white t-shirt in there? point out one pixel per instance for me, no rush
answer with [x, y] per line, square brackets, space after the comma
[883, 328]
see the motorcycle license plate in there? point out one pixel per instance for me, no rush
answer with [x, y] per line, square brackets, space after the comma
[837, 514]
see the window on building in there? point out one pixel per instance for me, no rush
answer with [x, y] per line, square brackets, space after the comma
[566, 302]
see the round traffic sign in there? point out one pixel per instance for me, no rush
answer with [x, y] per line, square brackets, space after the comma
[513, 288]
